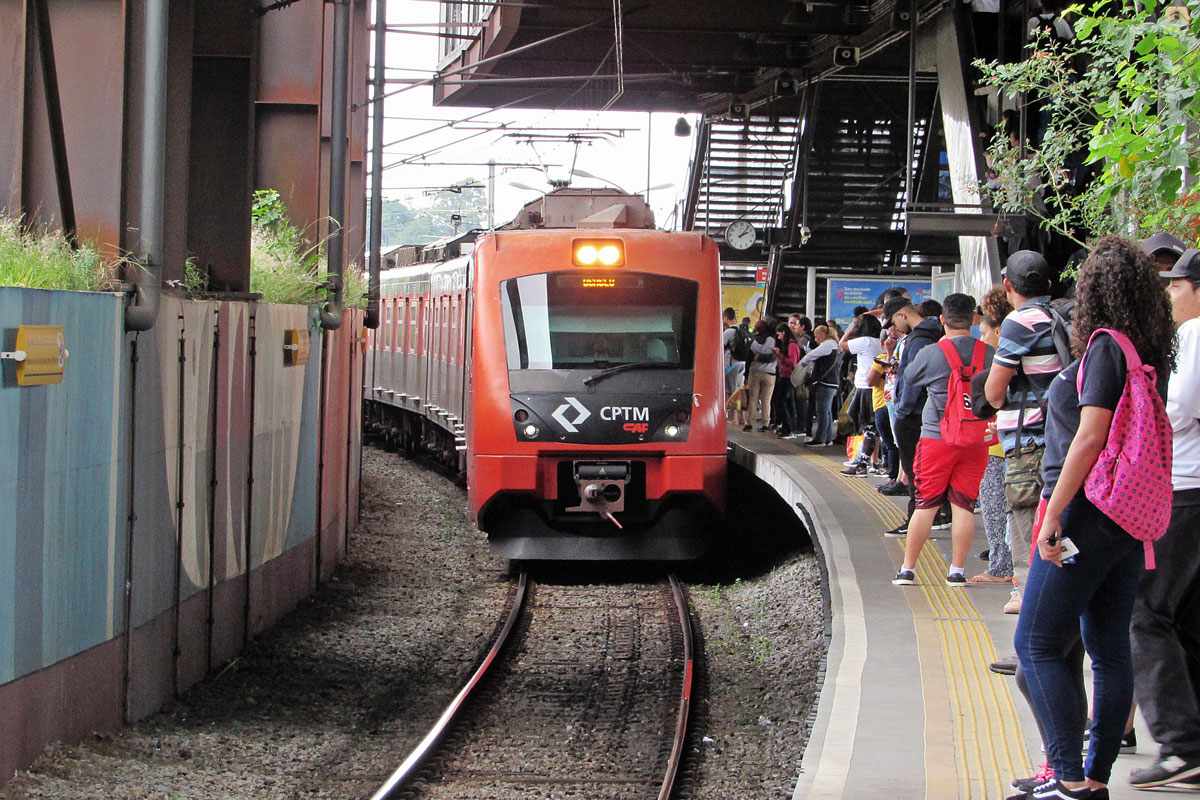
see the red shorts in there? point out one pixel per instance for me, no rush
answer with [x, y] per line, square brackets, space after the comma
[945, 472]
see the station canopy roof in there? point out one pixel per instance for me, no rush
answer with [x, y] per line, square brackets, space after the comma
[664, 55]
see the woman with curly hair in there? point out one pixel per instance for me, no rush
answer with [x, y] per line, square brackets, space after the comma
[1092, 594]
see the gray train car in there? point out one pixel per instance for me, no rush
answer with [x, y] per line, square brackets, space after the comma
[415, 381]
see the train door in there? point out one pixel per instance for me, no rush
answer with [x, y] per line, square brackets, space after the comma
[402, 342]
[384, 355]
[468, 344]
[395, 357]
[454, 368]
[412, 363]
[444, 361]
[421, 389]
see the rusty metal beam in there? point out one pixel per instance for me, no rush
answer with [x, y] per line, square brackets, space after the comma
[58, 138]
[497, 57]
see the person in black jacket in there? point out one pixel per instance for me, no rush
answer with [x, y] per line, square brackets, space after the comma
[919, 332]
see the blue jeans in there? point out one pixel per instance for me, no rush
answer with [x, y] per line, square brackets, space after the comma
[734, 375]
[1093, 598]
[824, 404]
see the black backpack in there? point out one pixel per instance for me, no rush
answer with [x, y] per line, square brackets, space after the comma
[1060, 313]
[740, 349]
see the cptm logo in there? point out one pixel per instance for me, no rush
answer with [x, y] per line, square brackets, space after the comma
[581, 415]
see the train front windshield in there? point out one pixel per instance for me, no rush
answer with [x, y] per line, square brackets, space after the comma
[588, 321]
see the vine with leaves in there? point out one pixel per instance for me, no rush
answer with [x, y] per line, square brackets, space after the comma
[1120, 102]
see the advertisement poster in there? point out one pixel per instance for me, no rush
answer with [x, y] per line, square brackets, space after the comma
[746, 301]
[845, 294]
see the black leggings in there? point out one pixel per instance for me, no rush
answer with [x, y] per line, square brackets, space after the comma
[862, 416]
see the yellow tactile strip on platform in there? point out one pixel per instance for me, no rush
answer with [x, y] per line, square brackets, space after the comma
[988, 747]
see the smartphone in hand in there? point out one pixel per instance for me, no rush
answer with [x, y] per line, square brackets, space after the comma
[1070, 550]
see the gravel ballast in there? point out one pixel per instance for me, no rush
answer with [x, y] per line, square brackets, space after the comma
[326, 704]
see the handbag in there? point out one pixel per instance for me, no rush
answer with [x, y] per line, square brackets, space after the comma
[1023, 469]
[799, 378]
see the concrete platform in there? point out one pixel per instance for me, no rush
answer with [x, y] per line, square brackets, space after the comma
[908, 708]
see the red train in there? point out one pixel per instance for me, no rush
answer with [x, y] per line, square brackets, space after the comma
[571, 364]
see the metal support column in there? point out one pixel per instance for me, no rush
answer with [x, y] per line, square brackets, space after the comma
[810, 293]
[910, 154]
[374, 254]
[331, 312]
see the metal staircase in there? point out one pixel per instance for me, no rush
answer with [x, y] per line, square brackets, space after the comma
[739, 172]
[847, 203]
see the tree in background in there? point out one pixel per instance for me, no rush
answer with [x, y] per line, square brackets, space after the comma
[1116, 105]
[411, 223]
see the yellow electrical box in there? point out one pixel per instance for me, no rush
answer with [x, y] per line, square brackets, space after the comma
[41, 355]
[295, 347]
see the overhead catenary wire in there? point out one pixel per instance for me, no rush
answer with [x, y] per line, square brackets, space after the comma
[619, 45]
[451, 123]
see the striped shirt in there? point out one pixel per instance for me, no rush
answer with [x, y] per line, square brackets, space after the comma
[1027, 345]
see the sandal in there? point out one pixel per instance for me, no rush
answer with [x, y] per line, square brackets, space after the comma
[984, 578]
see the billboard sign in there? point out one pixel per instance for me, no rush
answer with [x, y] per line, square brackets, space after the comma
[845, 294]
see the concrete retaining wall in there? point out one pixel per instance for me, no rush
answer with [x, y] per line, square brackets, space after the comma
[205, 506]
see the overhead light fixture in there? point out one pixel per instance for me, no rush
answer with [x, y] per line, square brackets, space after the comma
[682, 128]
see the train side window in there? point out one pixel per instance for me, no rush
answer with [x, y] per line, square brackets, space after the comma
[390, 330]
[446, 328]
[402, 334]
[387, 324]
[461, 338]
[454, 330]
[421, 326]
[412, 327]
[435, 321]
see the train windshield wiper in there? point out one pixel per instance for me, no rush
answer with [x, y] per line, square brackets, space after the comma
[604, 373]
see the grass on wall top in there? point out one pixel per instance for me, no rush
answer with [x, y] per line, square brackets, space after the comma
[42, 259]
[284, 267]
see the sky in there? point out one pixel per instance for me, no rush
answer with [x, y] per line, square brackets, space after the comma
[621, 160]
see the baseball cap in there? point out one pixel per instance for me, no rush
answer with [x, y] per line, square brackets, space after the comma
[1028, 271]
[1162, 241]
[892, 306]
[1188, 266]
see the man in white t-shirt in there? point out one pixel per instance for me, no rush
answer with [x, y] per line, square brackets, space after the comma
[1166, 617]
[862, 340]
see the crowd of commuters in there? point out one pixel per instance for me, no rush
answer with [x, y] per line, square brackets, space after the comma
[1072, 426]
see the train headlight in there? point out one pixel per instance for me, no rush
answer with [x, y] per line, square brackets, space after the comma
[586, 255]
[671, 431]
[530, 431]
[610, 255]
[598, 252]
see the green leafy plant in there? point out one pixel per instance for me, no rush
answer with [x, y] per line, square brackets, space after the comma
[1119, 100]
[268, 209]
[43, 259]
[285, 267]
[195, 279]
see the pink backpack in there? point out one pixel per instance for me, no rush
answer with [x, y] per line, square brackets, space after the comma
[1131, 480]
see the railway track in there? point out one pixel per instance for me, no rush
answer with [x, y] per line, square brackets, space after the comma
[585, 691]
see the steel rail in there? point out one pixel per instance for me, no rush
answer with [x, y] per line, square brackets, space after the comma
[408, 768]
[685, 692]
